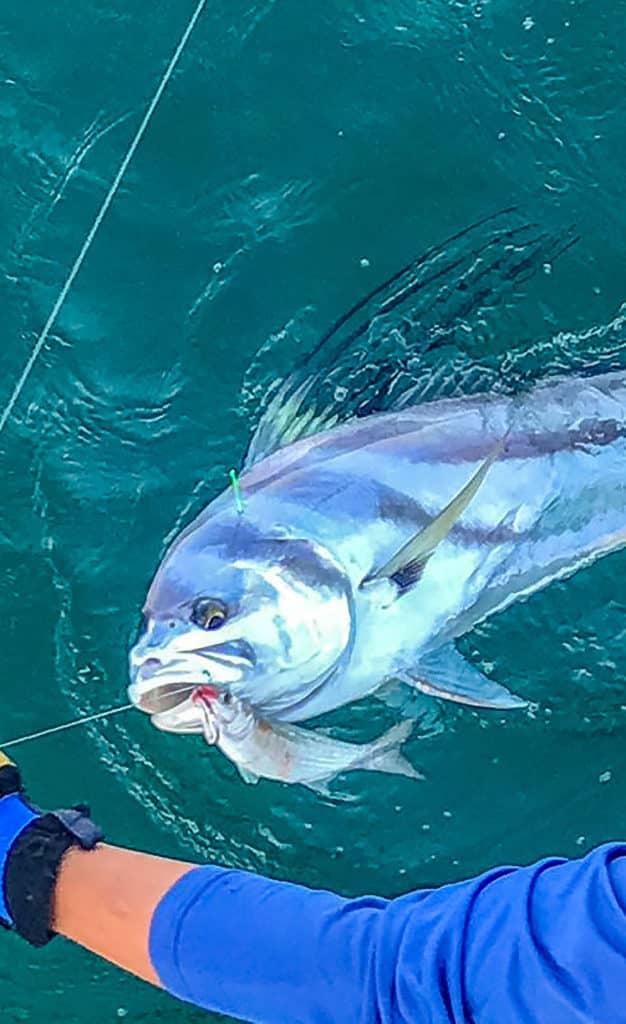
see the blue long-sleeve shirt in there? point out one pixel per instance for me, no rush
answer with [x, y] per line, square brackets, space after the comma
[544, 944]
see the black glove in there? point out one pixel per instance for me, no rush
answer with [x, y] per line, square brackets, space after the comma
[32, 847]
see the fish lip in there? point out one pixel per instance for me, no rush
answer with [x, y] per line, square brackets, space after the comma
[193, 667]
[178, 719]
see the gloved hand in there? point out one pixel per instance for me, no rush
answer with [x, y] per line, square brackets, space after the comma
[32, 847]
[15, 816]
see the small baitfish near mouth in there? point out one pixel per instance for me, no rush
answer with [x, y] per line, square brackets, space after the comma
[165, 697]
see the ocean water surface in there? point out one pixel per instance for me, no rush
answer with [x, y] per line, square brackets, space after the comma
[302, 154]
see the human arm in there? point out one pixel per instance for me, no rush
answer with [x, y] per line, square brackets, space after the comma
[545, 944]
[531, 945]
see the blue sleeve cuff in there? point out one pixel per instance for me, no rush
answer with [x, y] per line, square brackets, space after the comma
[15, 816]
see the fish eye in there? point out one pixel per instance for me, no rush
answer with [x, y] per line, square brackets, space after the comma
[208, 613]
[227, 697]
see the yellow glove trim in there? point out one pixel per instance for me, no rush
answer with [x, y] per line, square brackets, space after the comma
[4, 760]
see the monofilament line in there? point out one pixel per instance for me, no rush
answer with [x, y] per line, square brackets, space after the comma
[66, 725]
[102, 212]
[186, 690]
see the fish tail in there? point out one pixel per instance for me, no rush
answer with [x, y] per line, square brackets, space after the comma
[385, 755]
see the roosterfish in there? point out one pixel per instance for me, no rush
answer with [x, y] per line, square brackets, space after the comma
[358, 552]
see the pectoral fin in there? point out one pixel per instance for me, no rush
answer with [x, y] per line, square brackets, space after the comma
[407, 565]
[445, 673]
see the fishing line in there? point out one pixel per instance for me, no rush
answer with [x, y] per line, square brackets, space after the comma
[102, 212]
[73, 274]
[80, 721]
[66, 725]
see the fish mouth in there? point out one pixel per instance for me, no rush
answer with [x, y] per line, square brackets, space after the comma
[182, 706]
[194, 714]
[159, 683]
[162, 698]
[158, 686]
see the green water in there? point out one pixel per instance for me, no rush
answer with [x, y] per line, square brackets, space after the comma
[297, 141]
